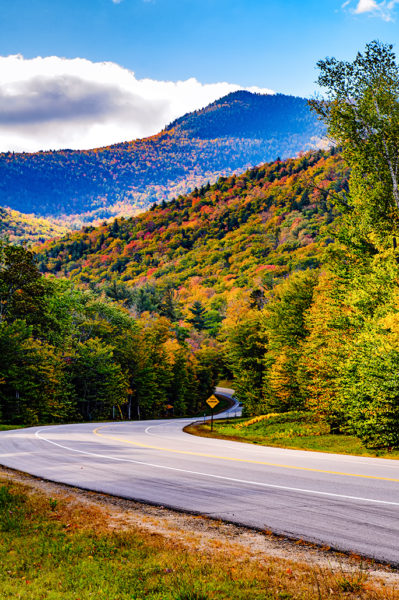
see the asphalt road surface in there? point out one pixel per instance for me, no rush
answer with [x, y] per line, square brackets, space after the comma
[346, 502]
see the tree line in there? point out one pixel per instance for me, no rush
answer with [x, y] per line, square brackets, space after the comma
[328, 340]
[72, 354]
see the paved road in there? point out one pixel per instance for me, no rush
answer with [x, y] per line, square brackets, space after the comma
[347, 502]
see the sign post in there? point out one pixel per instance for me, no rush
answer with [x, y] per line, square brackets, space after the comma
[212, 402]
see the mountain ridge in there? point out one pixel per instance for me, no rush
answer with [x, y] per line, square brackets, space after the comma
[239, 233]
[124, 178]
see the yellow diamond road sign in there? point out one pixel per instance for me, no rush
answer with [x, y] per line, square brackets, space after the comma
[212, 401]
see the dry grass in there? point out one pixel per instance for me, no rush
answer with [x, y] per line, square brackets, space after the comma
[60, 543]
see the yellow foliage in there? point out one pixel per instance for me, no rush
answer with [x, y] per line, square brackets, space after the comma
[256, 420]
[171, 348]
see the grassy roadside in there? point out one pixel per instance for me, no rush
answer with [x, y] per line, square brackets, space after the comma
[297, 430]
[53, 549]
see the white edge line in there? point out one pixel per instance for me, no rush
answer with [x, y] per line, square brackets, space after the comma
[234, 480]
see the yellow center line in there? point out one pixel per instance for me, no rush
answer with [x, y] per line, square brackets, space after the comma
[241, 460]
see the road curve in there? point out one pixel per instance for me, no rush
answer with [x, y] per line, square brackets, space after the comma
[346, 502]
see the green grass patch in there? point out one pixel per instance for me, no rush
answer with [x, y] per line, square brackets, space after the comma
[10, 427]
[297, 430]
[51, 550]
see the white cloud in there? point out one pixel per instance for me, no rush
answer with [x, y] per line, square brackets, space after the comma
[366, 6]
[52, 103]
[384, 9]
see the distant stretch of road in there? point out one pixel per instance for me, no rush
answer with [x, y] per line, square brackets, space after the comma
[346, 502]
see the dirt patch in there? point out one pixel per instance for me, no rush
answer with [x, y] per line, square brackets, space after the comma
[197, 533]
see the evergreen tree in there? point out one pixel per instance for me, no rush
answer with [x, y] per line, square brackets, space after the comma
[245, 348]
[198, 319]
[285, 326]
[169, 306]
[98, 380]
[22, 287]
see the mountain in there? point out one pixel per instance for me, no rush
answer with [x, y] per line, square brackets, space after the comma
[19, 228]
[236, 132]
[241, 232]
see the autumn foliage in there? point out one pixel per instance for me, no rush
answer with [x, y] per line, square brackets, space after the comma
[231, 135]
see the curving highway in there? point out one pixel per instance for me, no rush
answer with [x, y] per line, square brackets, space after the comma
[346, 502]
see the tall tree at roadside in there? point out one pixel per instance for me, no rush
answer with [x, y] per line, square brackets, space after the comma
[362, 115]
[33, 382]
[97, 378]
[245, 346]
[285, 327]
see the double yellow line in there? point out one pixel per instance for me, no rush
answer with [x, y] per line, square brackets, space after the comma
[240, 460]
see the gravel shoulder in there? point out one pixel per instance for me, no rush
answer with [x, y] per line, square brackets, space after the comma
[199, 533]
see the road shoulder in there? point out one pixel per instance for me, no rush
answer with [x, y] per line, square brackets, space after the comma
[208, 536]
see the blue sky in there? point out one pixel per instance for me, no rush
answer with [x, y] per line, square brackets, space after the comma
[265, 43]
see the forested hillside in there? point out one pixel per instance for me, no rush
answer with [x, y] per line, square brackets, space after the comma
[285, 277]
[291, 267]
[19, 228]
[140, 327]
[232, 134]
[242, 232]
[69, 354]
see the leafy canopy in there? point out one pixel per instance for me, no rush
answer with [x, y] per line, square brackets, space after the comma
[362, 115]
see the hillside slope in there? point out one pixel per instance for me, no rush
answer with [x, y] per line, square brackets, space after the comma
[19, 228]
[241, 232]
[236, 132]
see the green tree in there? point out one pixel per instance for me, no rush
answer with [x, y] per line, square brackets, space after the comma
[146, 298]
[323, 352]
[169, 306]
[285, 326]
[245, 347]
[257, 299]
[198, 319]
[33, 382]
[22, 287]
[369, 390]
[98, 380]
[119, 292]
[362, 115]
[154, 366]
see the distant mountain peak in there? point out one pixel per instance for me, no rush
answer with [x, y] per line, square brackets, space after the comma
[240, 130]
[247, 114]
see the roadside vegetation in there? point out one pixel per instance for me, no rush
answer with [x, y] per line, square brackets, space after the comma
[70, 355]
[52, 550]
[9, 427]
[297, 430]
